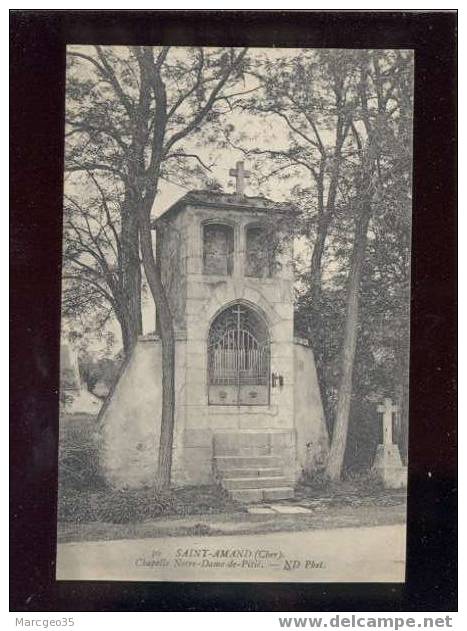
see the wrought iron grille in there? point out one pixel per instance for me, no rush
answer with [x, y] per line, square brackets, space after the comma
[238, 358]
[238, 349]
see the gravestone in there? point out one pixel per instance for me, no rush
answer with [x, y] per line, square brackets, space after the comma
[388, 464]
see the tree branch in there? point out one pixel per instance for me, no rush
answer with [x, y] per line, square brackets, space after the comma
[110, 223]
[197, 119]
[96, 166]
[195, 86]
[109, 74]
[90, 129]
[189, 155]
[85, 279]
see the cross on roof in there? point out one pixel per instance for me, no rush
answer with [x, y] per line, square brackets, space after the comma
[240, 176]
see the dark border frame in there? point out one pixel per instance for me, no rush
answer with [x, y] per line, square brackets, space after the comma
[38, 40]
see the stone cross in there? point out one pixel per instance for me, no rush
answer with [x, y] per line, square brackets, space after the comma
[387, 409]
[240, 176]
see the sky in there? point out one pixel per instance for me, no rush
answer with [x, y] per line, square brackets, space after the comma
[269, 131]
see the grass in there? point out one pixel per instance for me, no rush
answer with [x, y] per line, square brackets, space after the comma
[237, 523]
[105, 514]
[84, 496]
[137, 505]
[345, 506]
[357, 490]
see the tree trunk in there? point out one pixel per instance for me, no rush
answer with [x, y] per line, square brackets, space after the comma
[403, 401]
[130, 270]
[315, 309]
[341, 424]
[129, 327]
[404, 437]
[127, 336]
[166, 332]
[326, 214]
[151, 80]
[129, 315]
[317, 258]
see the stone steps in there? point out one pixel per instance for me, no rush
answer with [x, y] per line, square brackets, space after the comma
[253, 478]
[248, 496]
[252, 472]
[277, 481]
[227, 462]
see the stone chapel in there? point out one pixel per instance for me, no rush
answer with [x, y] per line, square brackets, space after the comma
[248, 413]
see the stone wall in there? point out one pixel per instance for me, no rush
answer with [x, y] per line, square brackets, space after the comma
[293, 421]
[312, 440]
[207, 296]
[130, 422]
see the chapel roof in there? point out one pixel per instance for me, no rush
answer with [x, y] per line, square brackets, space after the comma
[224, 201]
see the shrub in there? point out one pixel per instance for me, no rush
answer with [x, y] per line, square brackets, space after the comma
[316, 480]
[79, 466]
[361, 482]
[367, 481]
[136, 505]
[365, 432]
[77, 506]
[199, 500]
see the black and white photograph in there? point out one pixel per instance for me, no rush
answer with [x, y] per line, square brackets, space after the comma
[235, 318]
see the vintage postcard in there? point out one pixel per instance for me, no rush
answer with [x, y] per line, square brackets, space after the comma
[235, 314]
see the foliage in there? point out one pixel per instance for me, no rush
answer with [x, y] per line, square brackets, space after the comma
[129, 113]
[378, 178]
[349, 128]
[84, 495]
[96, 370]
[78, 461]
[136, 505]
[355, 485]
[334, 126]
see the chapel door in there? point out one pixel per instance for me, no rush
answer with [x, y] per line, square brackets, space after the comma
[238, 359]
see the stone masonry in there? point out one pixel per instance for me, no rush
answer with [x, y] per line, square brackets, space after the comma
[288, 428]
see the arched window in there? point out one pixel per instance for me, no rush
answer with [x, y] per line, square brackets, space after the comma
[259, 252]
[238, 358]
[218, 247]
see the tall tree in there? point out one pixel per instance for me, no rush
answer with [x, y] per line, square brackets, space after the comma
[98, 280]
[346, 116]
[381, 167]
[151, 101]
[98, 135]
[306, 97]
